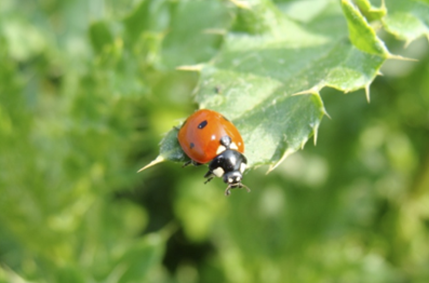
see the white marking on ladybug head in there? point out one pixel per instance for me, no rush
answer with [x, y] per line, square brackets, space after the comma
[242, 167]
[218, 172]
[220, 149]
[230, 180]
[233, 146]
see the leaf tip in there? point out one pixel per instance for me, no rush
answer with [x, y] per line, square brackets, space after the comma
[315, 133]
[368, 99]
[326, 113]
[301, 146]
[285, 155]
[401, 58]
[314, 91]
[157, 160]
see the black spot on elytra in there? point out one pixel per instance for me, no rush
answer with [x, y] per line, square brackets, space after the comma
[202, 124]
[192, 145]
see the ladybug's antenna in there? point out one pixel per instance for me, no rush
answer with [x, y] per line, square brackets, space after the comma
[233, 186]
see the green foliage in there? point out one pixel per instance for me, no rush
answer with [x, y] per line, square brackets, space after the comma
[88, 89]
[267, 59]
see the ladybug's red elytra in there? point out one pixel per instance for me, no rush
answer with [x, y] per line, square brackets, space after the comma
[207, 136]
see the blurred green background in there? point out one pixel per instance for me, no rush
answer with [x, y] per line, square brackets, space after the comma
[84, 100]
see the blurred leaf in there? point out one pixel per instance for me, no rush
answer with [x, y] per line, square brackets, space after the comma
[147, 16]
[140, 258]
[62, 155]
[407, 20]
[8, 276]
[100, 35]
[198, 208]
[68, 274]
[195, 32]
[24, 39]
[371, 13]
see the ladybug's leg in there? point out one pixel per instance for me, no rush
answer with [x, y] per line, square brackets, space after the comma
[187, 163]
[191, 162]
[209, 175]
[228, 191]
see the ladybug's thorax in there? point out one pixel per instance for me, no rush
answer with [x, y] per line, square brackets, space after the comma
[230, 165]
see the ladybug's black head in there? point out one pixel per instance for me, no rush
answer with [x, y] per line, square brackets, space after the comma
[232, 178]
[230, 165]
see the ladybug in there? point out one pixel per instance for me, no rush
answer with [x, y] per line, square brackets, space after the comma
[208, 137]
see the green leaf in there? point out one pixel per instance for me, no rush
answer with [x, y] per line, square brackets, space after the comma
[148, 16]
[170, 147]
[407, 20]
[25, 40]
[371, 13]
[7, 275]
[361, 33]
[69, 274]
[100, 35]
[191, 40]
[267, 59]
[136, 263]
